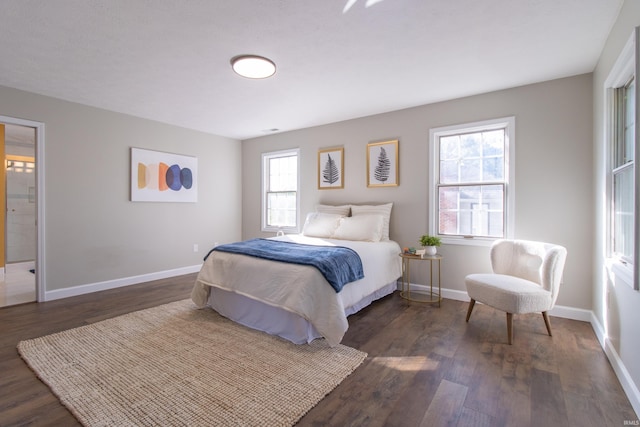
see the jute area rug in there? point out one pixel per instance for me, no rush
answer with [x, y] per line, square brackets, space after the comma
[174, 365]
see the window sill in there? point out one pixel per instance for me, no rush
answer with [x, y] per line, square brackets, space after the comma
[619, 273]
[474, 241]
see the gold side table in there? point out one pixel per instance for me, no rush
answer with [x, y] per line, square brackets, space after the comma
[420, 296]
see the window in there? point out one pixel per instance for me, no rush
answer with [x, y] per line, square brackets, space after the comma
[280, 204]
[471, 189]
[623, 143]
[621, 173]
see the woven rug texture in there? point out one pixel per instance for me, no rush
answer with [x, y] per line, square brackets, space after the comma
[175, 365]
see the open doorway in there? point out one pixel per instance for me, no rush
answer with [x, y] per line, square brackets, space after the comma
[21, 274]
[19, 284]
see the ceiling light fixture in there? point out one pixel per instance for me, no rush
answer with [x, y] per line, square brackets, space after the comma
[253, 66]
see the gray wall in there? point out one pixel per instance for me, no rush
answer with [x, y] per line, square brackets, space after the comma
[554, 197]
[93, 232]
[617, 308]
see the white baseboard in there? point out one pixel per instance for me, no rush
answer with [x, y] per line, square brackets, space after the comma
[446, 293]
[572, 313]
[558, 311]
[629, 387]
[117, 283]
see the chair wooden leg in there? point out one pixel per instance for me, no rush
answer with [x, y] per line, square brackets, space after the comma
[471, 304]
[510, 328]
[546, 322]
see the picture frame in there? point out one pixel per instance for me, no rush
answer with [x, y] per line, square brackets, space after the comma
[331, 169]
[382, 164]
[157, 176]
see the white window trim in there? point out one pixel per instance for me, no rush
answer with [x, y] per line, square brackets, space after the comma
[624, 67]
[265, 171]
[509, 123]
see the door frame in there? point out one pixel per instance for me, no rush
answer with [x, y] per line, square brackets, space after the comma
[40, 198]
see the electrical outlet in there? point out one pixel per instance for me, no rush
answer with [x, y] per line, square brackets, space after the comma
[195, 247]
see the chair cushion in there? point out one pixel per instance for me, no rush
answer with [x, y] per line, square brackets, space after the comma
[508, 293]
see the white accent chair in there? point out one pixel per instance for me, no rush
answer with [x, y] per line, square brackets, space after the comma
[526, 278]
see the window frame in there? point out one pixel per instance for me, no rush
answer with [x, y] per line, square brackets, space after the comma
[266, 157]
[623, 71]
[506, 123]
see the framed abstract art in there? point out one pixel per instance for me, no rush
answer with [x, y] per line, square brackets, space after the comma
[157, 176]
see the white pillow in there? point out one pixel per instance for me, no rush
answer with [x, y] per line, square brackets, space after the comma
[320, 224]
[367, 228]
[384, 210]
[338, 210]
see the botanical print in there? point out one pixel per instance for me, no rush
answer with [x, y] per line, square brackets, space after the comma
[382, 164]
[330, 173]
[382, 169]
[330, 169]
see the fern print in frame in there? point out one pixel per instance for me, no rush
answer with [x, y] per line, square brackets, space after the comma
[331, 168]
[382, 164]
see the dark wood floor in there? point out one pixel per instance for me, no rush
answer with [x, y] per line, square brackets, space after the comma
[426, 366]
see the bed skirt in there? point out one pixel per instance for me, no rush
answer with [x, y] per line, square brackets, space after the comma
[276, 320]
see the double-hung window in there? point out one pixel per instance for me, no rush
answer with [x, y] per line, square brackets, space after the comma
[280, 201]
[623, 141]
[471, 182]
[622, 173]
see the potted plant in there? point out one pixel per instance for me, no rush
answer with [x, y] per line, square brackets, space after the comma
[430, 243]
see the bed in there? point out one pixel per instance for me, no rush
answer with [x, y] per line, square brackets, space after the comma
[294, 301]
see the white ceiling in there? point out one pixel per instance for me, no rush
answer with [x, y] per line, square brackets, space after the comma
[168, 60]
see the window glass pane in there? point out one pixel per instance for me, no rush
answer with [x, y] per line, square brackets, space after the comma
[281, 209]
[493, 169]
[470, 170]
[448, 206]
[629, 122]
[470, 145]
[493, 143]
[496, 224]
[449, 147]
[623, 201]
[471, 210]
[449, 173]
[283, 173]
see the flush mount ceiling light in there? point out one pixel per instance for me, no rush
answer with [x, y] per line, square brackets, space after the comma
[253, 66]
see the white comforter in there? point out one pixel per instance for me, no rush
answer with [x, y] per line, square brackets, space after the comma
[301, 289]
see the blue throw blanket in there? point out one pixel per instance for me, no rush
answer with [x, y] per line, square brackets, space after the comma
[338, 264]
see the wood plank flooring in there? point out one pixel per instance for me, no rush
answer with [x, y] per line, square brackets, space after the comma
[426, 365]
